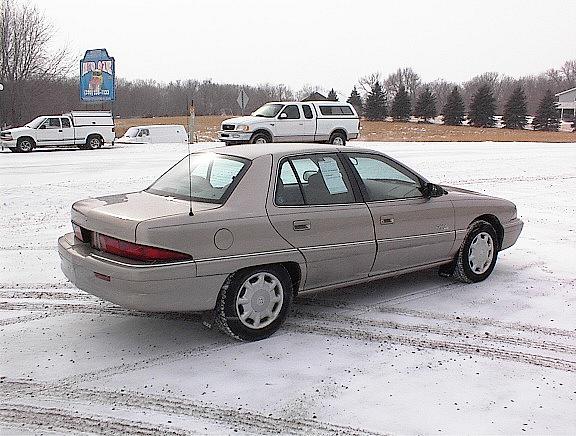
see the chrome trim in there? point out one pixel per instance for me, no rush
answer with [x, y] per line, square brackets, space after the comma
[132, 265]
[342, 244]
[242, 256]
[450, 232]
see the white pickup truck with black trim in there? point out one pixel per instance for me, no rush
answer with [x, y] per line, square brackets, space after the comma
[313, 121]
[86, 130]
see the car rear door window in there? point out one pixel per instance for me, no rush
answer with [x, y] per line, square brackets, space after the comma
[307, 111]
[323, 179]
[383, 179]
[288, 190]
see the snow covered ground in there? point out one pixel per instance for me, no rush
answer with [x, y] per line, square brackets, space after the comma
[417, 354]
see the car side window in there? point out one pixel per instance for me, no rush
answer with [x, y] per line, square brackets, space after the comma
[323, 179]
[288, 190]
[51, 123]
[292, 112]
[383, 179]
[307, 111]
[65, 123]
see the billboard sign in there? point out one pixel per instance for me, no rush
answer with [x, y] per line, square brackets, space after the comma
[97, 78]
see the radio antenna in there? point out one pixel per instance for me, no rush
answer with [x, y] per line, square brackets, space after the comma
[190, 136]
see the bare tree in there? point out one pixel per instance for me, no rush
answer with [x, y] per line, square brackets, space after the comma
[403, 76]
[26, 62]
[367, 82]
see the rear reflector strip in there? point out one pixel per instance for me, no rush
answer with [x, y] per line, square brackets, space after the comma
[102, 276]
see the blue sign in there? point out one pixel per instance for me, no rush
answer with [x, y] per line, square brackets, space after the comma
[97, 78]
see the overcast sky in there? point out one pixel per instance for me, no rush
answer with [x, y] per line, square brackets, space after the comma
[327, 43]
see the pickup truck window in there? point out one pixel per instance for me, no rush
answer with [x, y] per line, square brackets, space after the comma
[52, 123]
[336, 110]
[35, 122]
[65, 123]
[292, 112]
[307, 111]
[268, 110]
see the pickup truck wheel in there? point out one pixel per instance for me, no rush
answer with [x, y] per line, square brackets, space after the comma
[253, 303]
[24, 145]
[337, 138]
[94, 142]
[260, 138]
[478, 253]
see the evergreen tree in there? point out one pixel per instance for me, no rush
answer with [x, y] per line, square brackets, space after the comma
[515, 111]
[546, 115]
[483, 108]
[376, 104]
[453, 110]
[425, 105]
[356, 101]
[332, 95]
[401, 106]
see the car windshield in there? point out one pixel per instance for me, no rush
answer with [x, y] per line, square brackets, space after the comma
[35, 122]
[131, 132]
[212, 178]
[268, 110]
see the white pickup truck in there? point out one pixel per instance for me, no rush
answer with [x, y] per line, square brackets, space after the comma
[313, 121]
[86, 130]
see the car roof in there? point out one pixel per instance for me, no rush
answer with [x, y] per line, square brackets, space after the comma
[279, 149]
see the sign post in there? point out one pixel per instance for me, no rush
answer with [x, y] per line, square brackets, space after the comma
[242, 100]
[97, 76]
[191, 120]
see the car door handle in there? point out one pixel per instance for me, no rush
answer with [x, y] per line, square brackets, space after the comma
[301, 225]
[387, 219]
[60, 130]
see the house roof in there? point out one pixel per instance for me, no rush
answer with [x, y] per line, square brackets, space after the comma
[565, 92]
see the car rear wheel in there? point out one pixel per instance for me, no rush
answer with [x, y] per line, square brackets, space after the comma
[337, 138]
[260, 138]
[478, 253]
[24, 145]
[94, 142]
[253, 303]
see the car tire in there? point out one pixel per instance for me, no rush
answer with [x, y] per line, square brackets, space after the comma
[478, 253]
[24, 145]
[337, 138]
[93, 142]
[253, 303]
[260, 138]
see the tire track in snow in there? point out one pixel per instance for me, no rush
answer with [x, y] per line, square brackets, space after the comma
[459, 348]
[57, 419]
[244, 420]
[436, 316]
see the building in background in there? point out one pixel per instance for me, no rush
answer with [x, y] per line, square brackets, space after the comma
[567, 104]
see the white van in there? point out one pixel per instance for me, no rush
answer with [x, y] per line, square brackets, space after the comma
[159, 133]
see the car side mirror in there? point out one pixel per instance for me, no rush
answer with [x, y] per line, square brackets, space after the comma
[431, 190]
[283, 116]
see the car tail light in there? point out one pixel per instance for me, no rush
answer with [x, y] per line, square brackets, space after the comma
[78, 232]
[113, 129]
[136, 251]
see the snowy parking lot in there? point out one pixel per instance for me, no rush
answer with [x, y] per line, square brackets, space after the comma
[416, 354]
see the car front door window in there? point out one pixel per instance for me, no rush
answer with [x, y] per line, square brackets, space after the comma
[385, 180]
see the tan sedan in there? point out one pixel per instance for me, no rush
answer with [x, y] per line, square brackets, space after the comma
[238, 231]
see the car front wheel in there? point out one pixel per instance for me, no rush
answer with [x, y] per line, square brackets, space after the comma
[260, 138]
[253, 303]
[478, 253]
[337, 138]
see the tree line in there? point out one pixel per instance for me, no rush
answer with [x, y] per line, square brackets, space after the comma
[481, 113]
[38, 80]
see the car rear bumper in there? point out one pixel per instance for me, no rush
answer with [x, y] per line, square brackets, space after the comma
[170, 287]
[512, 231]
[234, 136]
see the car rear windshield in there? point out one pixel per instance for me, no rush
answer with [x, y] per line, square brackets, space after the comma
[212, 178]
